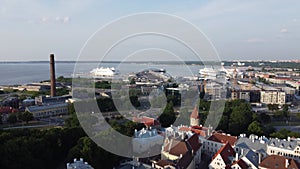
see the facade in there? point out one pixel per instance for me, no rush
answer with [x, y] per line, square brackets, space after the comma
[245, 95]
[226, 157]
[45, 111]
[289, 148]
[145, 140]
[252, 150]
[273, 97]
[216, 141]
[214, 91]
[44, 100]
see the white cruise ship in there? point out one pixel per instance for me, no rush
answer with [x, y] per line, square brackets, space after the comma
[104, 72]
[212, 73]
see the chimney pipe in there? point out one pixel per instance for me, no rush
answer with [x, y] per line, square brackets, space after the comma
[287, 163]
[52, 75]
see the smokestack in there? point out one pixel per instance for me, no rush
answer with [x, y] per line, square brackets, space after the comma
[52, 75]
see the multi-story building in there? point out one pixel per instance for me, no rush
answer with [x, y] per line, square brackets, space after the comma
[146, 140]
[289, 148]
[45, 111]
[44, 100]
[215, 91]
[184, 152]
[273, 97]
[216, 141]
[226, 157]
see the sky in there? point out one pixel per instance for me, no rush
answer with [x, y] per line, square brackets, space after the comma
[239, 29]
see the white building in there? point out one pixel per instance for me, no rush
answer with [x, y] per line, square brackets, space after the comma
[289, 148]
[272, 97]
[216, 141]
[145, 140]
[226, 157]
[45, 111]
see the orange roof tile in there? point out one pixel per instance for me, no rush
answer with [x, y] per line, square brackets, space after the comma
[275, 161]
[222, 138]
[226, 151]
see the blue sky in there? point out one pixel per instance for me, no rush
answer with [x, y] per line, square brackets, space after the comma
[239, 29]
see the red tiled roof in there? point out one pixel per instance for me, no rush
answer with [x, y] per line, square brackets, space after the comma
[241, 163]
[226, 151]
[199, 132]
[176, 147]
[146, 120]
[194, 142]
[197, 127]
[184, 128]
[195, 113]
[7, 110]
[223, 138]
[275, 161]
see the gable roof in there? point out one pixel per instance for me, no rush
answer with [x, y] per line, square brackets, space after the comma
[247, 143]
[275, 161]
[241, 163]
[223, 138]
[176, 147]
[194, 142]
[226, 151]
[185, 161]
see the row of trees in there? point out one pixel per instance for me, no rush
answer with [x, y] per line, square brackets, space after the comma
[238, 118]
[21, 116]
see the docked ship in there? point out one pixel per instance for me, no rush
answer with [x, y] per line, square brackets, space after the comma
[212, 73]
[104, 72]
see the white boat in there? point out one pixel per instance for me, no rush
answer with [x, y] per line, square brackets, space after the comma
[212, 73]
[104, 72]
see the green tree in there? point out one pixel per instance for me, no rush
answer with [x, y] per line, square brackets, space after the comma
[284, 133]
[264, 118]
[255, 128]
[240, 118]
[273, 107]
[93, 154]
[27, 116]
[168, 117]
[12, 118]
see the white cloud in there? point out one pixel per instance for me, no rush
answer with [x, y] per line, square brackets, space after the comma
[53, 20]
[255, 40]
[284, 30]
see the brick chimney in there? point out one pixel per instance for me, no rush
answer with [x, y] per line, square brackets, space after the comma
[52, 75]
